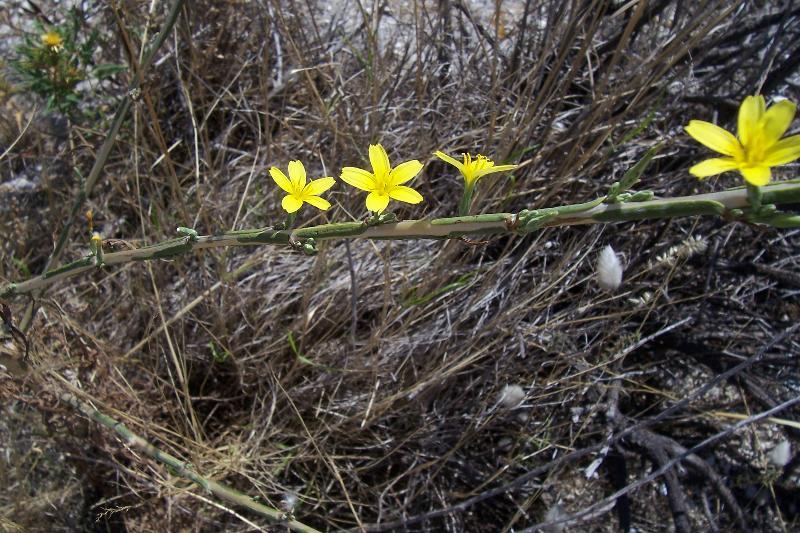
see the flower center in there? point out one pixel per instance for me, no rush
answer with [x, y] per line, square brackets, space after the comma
[382, 184]
[754, 151]
[52, 39]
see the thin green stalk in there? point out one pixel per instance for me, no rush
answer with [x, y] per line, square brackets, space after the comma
[105, 150]
[754, 196]
[733, 204]
[183, 469]
[466, 200]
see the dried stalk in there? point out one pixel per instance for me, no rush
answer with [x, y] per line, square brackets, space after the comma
[183, 469]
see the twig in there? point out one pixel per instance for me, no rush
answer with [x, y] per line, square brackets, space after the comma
[596, 212]
[700, 465]
[574, 456]
[668, 465]
[181, 468]
[654, 447]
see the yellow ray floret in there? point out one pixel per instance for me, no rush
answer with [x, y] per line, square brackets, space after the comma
[384, 183]
[474, 169]
[758, 147]
[300, 192]
[52, 40]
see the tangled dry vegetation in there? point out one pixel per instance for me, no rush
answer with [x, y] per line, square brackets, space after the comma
[377, 385]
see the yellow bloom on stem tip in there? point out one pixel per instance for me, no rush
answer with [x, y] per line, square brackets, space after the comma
[474, 169]
[52, 40]
[384, 182]
[298, 190]
[758, 147]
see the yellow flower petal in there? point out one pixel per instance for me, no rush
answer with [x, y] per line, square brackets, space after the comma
[492, 170]
[281, 180]
[777, 120]
[358, 178]
[402, 193]
[750, 112]
[317, 187]
[52, 39]
[453, 161]
[379, 160]
[714, 137]
[298, 174]
[377, 202]
[316, 201]
[291, 203]
[713, 166]
[756, 175]
[784, 151]
[404, 172]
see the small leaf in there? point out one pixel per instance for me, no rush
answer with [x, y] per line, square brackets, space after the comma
[300, 357]
[635, 172]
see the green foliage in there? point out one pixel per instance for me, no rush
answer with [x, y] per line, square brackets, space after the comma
[22, 266]
[219, 355]
[300, 357]
[53, 61]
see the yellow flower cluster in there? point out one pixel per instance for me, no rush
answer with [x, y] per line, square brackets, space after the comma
[758, 148]
[53, 41]
[383, 184]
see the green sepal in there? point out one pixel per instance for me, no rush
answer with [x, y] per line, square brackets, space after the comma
[307, 246]
[381, 218]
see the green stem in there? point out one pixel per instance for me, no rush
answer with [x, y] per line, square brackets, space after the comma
[466, 200]
[722, 203]
[754, 197]
[181, 468]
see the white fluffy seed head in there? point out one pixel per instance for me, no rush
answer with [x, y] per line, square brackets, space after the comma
[289, 501]
[511, 396]
[781, 454]
[609, 269]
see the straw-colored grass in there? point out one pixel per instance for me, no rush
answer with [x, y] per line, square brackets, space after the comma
[361, 387]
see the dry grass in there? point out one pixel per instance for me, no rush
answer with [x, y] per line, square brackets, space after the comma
[403, 418]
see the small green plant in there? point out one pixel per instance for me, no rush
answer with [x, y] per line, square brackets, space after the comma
[54, 60]
[219, 355]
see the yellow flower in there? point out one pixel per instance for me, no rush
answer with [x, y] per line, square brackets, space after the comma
[474, 169]
[52, 40]
[758, 147]
[299, 191]
[384, 182]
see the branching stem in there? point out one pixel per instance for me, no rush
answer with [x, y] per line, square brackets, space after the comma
[732, 204]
